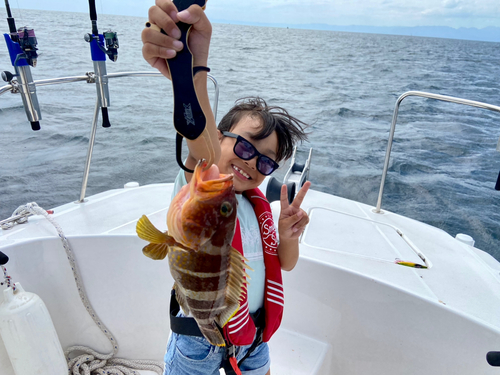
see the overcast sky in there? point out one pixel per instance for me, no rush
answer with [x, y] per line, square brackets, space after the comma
[453, 13]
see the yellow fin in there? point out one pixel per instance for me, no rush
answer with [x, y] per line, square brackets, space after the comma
[156, 251]
[235, 286]
[227, 314]
[147, 231]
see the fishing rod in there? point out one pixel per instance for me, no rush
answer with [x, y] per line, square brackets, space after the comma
[21, 44]
[101, 45]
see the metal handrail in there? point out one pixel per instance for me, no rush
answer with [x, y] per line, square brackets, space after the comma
[90, 78]
[422, 94]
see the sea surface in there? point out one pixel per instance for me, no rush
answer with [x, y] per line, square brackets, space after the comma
[444, 162]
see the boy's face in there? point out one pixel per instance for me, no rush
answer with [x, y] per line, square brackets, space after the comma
[246, 175]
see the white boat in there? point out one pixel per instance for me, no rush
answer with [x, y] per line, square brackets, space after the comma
[352, 307]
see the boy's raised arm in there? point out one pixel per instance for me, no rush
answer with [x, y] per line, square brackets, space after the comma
[157, 47]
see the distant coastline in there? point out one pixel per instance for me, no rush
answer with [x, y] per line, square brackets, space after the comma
[487, 34]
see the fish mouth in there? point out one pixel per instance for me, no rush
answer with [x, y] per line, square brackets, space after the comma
[209, 180]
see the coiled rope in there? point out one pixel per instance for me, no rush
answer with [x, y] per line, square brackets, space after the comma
[92, 362]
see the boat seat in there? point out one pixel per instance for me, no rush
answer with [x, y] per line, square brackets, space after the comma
[293, 353]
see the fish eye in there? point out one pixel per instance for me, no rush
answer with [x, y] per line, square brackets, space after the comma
[226, 209]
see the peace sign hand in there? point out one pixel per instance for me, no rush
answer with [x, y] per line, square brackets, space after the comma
[293, 219]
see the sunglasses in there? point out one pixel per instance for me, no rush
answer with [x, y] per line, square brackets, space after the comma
[246, 151]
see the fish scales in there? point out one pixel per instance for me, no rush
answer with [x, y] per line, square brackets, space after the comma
[209, 274]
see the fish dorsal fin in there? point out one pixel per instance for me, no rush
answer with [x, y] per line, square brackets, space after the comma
[148, 232]
[156, 251]
[234, 290]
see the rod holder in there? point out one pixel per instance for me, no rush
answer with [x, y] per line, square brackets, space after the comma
[27, 87]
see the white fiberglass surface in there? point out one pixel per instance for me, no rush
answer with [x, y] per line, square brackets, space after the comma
[375, 328]
[129, 292]
[335, 321]
[358, 236]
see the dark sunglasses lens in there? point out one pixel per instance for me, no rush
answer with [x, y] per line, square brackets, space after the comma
[244, 149]
[266, 166]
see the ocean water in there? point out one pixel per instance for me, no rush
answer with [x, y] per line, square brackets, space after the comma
[443, 167]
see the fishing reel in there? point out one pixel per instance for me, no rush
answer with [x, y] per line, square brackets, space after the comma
[28, 42]
[110, 45]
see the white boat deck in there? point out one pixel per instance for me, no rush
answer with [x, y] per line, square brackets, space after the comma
[350, 309]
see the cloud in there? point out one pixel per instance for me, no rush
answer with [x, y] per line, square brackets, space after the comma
[451, 3]
[454, 13]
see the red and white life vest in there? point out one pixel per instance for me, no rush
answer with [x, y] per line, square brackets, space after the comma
[240, 330]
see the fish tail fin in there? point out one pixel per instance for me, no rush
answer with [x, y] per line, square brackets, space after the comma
[212, 334]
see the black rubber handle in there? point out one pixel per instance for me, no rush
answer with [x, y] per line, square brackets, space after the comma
[105, 118]
[93, 12]
[189, 119]
[11, 22]
[273, 190]
[497, 186]
[493, 359]
[3, 259]
[35, 125]
[93, 17]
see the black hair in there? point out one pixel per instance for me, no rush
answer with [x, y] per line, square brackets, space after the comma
[289, 129]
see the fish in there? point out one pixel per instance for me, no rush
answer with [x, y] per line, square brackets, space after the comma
[209, 274]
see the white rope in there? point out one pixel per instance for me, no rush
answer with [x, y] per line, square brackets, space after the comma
[92, 362]
[20, 211]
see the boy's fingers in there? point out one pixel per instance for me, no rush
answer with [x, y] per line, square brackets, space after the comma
[166, 5]
[151, 35]
[301, 195]
[284, 197]
[195, 16]
[153, 51]
[301, 224]
[292, 220]
[162, 18]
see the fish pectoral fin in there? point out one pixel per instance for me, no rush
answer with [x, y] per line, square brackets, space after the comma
[148, 232]
[223, 318]
[156, 251]
[212, 334]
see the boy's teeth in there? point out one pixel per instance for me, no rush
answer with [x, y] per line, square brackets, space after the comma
[240, 171]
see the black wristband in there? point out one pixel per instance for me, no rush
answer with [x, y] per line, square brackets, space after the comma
[197, 69]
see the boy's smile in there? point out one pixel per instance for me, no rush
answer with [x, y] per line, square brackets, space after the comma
[245, 171]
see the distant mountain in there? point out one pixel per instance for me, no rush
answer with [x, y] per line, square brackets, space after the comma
[487, 34]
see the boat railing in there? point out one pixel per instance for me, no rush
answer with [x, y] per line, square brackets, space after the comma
[428, 95]
[89, 77]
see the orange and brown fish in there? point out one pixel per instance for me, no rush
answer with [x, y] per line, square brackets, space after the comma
[208, 272]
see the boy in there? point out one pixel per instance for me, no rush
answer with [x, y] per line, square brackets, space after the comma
[250, 141]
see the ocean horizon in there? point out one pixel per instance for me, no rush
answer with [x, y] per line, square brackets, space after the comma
[444, 162]
[486, 34]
